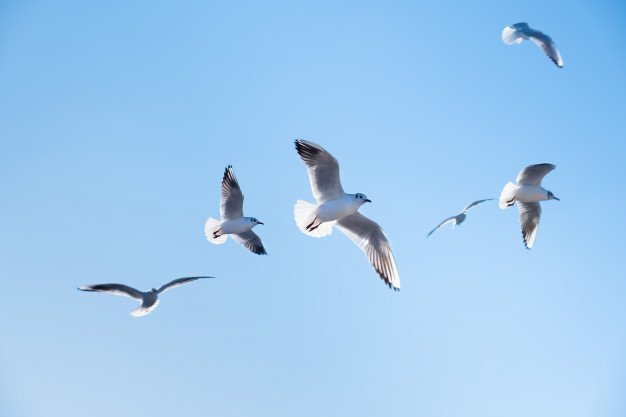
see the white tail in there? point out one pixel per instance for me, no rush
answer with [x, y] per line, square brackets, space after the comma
[142, 311]
[210, 228]
[511, 36]
[507, 197]
[305, 215]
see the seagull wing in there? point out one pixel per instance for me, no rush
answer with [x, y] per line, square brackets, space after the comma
[115, 289]
[448, 220]
[529, 214]
[250, 241]
[323, 171]
[231, 205]
[370, 237]
[547, 44]
[475, 203]
[177, 283]
[533, 174]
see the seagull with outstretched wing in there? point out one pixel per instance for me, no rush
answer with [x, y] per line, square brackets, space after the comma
[528, 192]
[515, 34]
[149, 300]
[335, 207]
[233, 222]
[459, 218]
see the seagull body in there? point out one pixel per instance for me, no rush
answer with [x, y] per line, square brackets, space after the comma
[528, 192]
[515, 34]
[459, 218]
[149, 299]
[233, 222]
[335, 207]
[339, 207]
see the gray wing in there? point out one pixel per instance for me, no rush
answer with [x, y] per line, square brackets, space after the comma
[370, 237]
[475, 203]
[115, 289]
[231, 204]
[323, 171]
[533, 174]
[529, 214]
[251, 241]
[547, 44]
[449, 219]
[177, 283]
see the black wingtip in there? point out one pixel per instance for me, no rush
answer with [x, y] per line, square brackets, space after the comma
[306, 150]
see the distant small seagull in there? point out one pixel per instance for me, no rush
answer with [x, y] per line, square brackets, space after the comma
[514, 34]
[233, 222]
[149, 300]
[459, 218]
[528, 192]
[335, 207]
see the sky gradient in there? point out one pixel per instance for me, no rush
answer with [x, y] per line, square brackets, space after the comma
[117, 120]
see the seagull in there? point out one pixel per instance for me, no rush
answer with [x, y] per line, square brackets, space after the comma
[233, 222]
[149, 300]
[515, 34]
[335, 207]
[528, 192]
[459, 218]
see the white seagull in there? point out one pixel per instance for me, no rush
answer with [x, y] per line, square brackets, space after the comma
[528, 192]
[233, 222]
[514, 34]
[459, 218]
[335, 207]
[149, 300]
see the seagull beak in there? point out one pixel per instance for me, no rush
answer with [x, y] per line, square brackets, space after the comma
[367, 200]
[556, 198]
[260, 223]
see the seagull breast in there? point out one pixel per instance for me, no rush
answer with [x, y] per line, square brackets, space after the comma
[338, 208]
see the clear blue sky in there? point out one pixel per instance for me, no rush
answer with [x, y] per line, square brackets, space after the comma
[118, 118]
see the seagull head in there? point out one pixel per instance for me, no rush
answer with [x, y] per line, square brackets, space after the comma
[153, 290]
[552, 196]
[254, 221]
[362, 198]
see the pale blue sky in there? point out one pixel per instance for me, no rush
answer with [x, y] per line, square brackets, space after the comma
[116, 123]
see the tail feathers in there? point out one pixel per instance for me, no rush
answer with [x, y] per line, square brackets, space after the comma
[212, 231]
[511, 36]
[142, 310]
[305, 215]
[507, 197]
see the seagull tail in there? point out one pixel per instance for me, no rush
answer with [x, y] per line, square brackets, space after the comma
[142, 311]
[507, 197]
[212, 231]
[305, 215]
[511, 36]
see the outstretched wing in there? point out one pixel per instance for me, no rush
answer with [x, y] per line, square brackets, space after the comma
[533, 174]
[547, 44]
[115, 289]
[370, 237]
[231, 204]
[448, 220]
[323, 171]
[475, 203]
[529, 215]
[250, 241]
[177, 283]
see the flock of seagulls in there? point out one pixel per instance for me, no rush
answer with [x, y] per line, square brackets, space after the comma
[335, 207]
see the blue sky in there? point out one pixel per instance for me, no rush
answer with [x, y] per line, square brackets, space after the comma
[116, 123]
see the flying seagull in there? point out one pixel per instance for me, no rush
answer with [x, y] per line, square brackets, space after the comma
[233, 222]
[459, 218]
[528, 192]
[335, 207]
[515, 34]
[149, 300]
